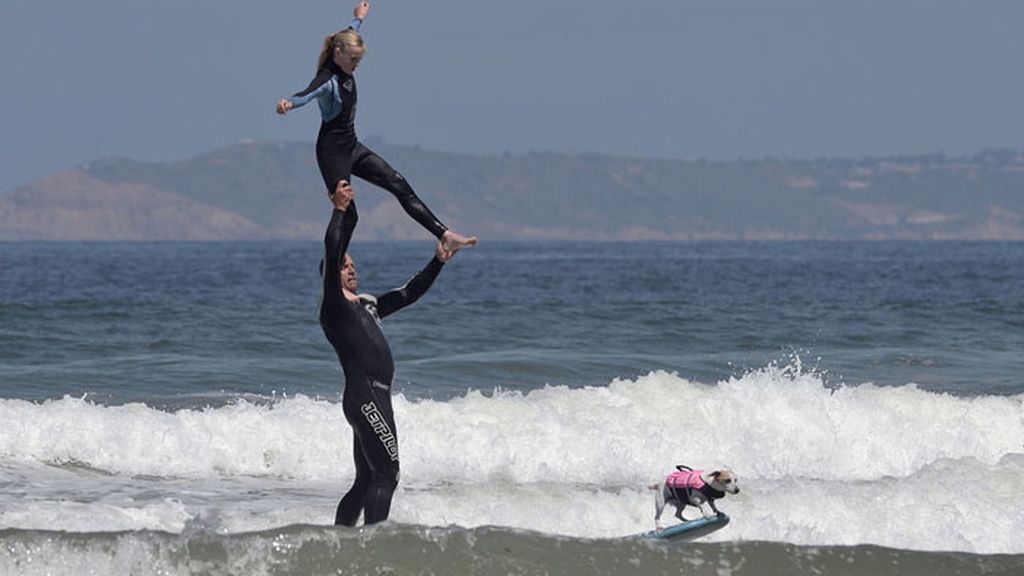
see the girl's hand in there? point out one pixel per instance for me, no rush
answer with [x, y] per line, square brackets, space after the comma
[361, 11]
[283, 106]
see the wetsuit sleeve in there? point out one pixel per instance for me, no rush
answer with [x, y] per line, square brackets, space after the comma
[319, 85]
[399, 298]
[336, 239]
[356, 23]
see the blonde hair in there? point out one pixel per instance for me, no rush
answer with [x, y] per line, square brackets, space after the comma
[345, 40]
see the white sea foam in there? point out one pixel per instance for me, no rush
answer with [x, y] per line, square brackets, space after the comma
[818, 466]
[951, 505]
[769, 424]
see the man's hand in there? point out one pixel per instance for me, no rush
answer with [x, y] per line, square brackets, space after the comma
[283, 106]
[342, 196]
[362, 9]
[443, 254]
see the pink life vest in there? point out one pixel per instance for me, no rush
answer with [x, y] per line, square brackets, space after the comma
[685, 479]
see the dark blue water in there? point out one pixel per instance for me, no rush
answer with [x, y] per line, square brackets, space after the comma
[188, 323]
[240, 446]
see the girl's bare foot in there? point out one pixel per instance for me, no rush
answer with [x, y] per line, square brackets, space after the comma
[453, 241]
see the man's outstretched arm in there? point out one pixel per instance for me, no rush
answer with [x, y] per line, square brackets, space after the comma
[395, 300]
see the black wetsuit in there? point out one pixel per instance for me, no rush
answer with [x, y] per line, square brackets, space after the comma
[354, 331]
[339, 154]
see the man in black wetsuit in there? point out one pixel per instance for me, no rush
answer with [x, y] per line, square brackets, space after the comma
[352, 325]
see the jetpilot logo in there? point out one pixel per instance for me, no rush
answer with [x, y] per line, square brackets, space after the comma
[372, 309]
[381, 429]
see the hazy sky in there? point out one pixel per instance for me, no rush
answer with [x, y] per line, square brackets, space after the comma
[168, 79]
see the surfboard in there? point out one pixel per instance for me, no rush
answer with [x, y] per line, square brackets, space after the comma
[689, 530]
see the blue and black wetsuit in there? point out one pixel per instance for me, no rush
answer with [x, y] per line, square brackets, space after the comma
[339, 154]
[353, 329]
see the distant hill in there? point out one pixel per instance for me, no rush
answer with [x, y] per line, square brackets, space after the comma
[257, 190]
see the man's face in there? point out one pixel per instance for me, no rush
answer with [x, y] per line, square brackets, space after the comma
[349, 279]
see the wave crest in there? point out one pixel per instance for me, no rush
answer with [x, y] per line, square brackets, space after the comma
[771, 423]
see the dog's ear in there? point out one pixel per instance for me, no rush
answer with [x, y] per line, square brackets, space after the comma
[716, 474]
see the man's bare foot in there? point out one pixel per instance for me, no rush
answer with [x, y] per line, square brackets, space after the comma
[453, 241]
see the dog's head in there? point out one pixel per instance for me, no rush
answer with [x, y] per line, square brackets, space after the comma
[726, 481]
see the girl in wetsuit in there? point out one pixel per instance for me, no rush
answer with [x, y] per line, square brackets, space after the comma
[339, 154]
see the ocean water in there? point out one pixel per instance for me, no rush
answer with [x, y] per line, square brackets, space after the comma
[173, 408]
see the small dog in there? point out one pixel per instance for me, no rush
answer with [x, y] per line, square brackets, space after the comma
[689, 487]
